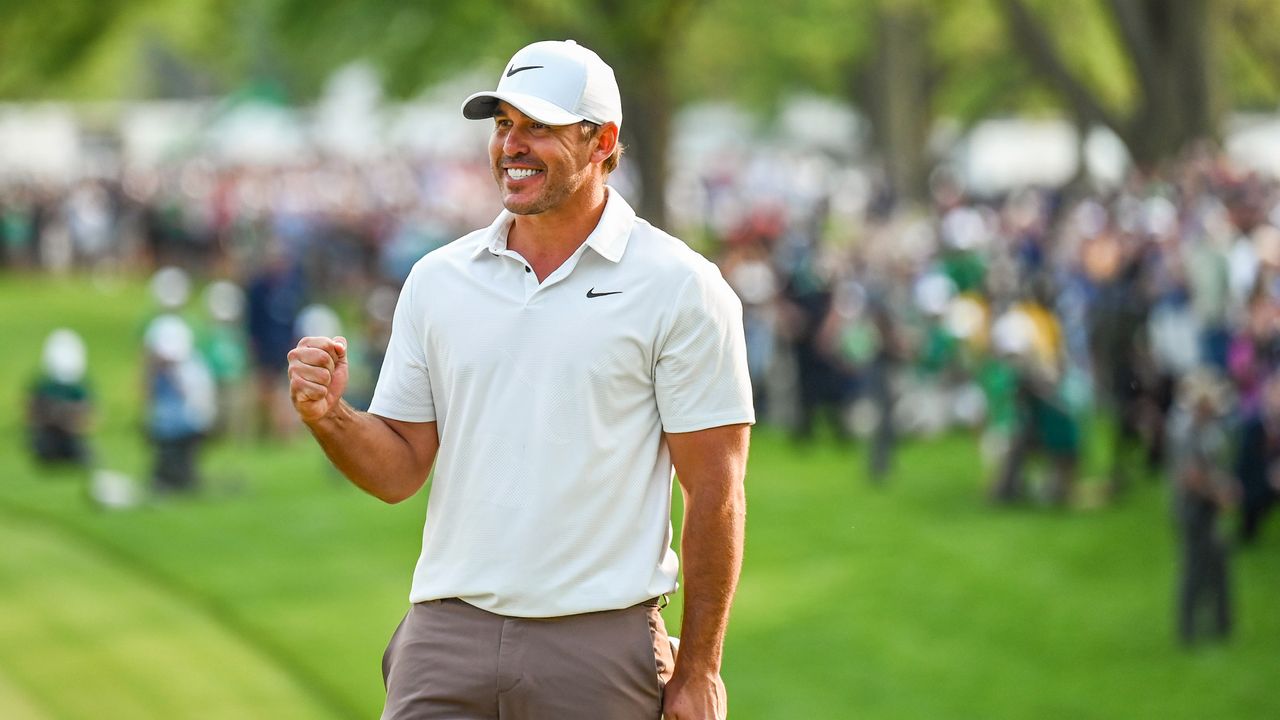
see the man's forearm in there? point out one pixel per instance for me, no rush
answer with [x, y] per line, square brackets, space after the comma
[711, 548]
[375, 455]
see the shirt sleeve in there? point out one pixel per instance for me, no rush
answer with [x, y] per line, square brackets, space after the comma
[403, 391]
[700, 377]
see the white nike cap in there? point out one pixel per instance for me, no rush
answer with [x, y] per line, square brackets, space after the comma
[556, 83]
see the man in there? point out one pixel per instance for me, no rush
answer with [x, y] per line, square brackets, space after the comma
[1199, 462]
[60, 403]
[554, 367]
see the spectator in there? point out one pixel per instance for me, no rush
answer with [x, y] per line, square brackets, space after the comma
[60, 405]
[181, 403]
[1198, 458]
[225, 350]
[1031, 338]
[275, 297]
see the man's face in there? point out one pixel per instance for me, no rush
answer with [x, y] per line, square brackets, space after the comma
[537, 167]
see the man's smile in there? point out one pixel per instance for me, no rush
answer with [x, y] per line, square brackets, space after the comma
[521, 173]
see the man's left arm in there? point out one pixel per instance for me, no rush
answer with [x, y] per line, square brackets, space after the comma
[711, 467]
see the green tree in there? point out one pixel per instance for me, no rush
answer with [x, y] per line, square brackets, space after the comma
[902, 63]
[1157, 73]
[415, 43]
[1181, 61]
[42, 40]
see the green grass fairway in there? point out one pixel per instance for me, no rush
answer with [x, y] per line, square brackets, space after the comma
[81, 629]
[273, 594]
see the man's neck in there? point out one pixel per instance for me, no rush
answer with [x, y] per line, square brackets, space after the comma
[547, 239]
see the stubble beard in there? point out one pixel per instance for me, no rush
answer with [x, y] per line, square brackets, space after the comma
[541, 203]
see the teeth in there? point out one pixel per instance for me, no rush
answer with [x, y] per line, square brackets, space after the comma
[521, 173]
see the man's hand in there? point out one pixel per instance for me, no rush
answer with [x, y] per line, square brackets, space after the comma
[697, 697]
[389, 459]
[317, 376]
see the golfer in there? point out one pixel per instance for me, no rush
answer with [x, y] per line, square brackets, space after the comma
[554, 367]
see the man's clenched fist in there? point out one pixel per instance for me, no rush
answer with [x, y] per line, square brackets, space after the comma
[317, 376]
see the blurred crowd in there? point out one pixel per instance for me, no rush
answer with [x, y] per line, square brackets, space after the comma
[1145, 318]
[245, 260]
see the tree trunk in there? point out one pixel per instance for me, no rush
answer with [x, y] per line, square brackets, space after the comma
[1168, 44]
[1191, 40]
[646, 131]
[901, 111]
[637, 40]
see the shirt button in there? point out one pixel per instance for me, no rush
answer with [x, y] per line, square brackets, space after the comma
[528, 269]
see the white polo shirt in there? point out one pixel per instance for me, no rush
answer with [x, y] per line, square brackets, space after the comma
[552, 489]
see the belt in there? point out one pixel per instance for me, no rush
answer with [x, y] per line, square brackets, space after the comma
[659, 602]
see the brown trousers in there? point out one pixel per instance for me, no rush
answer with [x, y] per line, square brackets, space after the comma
[448, 659]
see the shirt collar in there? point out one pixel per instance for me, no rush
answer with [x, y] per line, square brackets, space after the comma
[609, 239]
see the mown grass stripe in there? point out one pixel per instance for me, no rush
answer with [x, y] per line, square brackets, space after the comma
[210, 608]
[16, 703]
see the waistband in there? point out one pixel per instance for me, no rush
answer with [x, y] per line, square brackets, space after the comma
[660, 602]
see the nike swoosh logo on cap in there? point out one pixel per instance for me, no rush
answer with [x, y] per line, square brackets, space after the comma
[515, 70]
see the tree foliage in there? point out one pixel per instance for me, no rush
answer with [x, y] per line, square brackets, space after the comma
[415, 43]
[42, 40]
[1178, 70]
[1156, 72]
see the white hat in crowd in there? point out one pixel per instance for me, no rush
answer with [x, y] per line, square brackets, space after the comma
[933, 293]
[65, 358]
[1013, 333]
[556, 83]
[170, 287]
[225, 301]
[317, 320]
[170, 338]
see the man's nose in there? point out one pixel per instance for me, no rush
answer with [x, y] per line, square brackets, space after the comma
[515, 142]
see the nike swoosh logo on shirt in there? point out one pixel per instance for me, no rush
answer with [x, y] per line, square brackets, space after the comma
[593, 294]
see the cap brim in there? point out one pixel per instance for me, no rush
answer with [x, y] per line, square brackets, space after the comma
[483, 104]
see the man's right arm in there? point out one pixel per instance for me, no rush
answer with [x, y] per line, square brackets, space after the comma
[389, 459]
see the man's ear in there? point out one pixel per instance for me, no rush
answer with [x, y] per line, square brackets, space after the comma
[606, 142]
